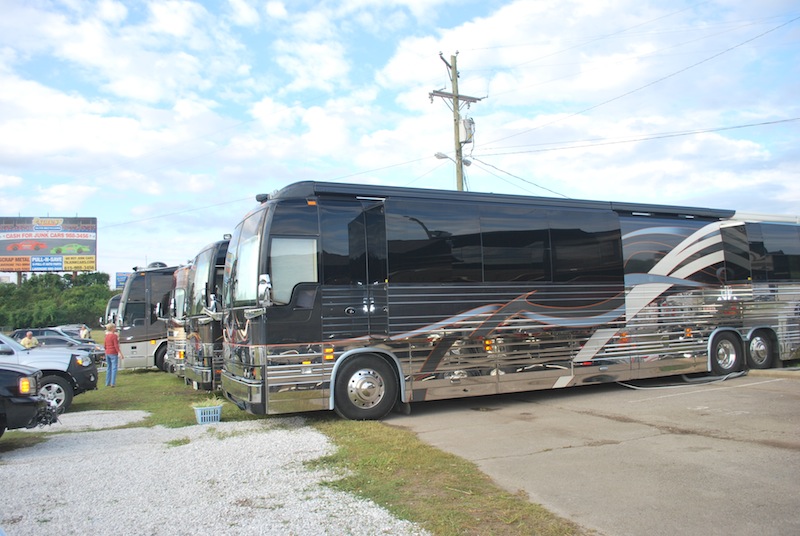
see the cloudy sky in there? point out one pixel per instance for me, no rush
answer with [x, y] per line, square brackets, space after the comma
[165, 118]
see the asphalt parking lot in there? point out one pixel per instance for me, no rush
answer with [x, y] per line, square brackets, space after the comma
[716, 458]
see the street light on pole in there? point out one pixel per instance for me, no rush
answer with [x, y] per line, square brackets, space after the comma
[442, 156]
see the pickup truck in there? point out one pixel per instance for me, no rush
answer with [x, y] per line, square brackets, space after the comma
[65, 373]
[20, 403]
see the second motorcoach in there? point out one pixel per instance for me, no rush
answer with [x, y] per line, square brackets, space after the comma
[204, 318]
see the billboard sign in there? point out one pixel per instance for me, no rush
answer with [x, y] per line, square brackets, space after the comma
[121, 277]
[47, 244]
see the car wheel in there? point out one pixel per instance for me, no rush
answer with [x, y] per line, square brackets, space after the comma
[56, 388]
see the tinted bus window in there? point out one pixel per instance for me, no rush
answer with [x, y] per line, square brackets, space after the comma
[433, 242]
[774, 251]
[737, 254]
[294, 217]
[516, 244]
[135, 311]
[343, 242]
[586, 246]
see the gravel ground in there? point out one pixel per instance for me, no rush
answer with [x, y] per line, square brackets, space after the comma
[224, 478]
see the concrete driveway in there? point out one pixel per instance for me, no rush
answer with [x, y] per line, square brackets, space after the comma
[669, 458]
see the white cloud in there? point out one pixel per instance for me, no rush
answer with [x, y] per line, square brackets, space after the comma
[65, 198]
[276, 116]
[244, 14]
[10, 181]
[313, 65]
[276, 10]
[110, 11]
[177, 18]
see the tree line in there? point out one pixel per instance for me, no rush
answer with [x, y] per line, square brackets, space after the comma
[52, 300]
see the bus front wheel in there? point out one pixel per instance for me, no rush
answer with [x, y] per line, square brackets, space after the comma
[366, 388]
[759, 351]
[726, 354]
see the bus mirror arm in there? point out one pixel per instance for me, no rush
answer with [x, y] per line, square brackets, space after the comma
[264, 290]
[212, 315]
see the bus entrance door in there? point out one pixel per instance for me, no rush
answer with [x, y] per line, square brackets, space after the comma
[354, 294]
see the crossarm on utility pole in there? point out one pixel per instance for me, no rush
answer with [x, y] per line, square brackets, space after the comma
[456, 99]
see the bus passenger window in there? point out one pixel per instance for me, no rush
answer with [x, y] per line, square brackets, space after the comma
[292, 261]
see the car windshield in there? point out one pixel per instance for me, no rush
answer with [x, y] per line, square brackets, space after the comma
[11, 342]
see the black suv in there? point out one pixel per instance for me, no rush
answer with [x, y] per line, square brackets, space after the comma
[20, 403]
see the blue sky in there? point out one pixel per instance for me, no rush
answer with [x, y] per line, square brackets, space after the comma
[164, 119]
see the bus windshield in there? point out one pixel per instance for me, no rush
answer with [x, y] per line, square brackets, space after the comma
[241, 264]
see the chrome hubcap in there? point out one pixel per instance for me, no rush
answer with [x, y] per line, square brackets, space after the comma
[726, 354]
[366, 388]
[759, 350]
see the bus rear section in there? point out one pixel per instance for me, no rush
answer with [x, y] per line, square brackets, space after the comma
[142, 334]
[357, 298]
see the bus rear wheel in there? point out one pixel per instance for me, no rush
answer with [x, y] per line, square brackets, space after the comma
[726, 354]
[760, 351]
[366, 388]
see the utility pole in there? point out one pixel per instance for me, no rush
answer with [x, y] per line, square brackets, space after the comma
[456, 100]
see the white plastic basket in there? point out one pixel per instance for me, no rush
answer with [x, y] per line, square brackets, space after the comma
[208, 414]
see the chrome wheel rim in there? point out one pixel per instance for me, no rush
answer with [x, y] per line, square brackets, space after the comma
[366, 388]
[759, 350]
[726, 354]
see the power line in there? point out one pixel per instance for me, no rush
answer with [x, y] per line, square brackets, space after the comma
[606, 141]
[652, 83]
[520, 178]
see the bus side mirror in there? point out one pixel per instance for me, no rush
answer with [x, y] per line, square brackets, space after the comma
[264, 290]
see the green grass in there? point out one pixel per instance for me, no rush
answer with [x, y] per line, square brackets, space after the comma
[445, 494]
[165, 396]
[390, 466]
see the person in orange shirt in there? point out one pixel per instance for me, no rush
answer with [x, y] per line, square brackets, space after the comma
[113, 354]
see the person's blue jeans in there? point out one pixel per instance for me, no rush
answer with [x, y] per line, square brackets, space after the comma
[111, 369]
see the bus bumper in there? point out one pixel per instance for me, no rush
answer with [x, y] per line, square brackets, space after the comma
[199, 377]
[247, 394]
